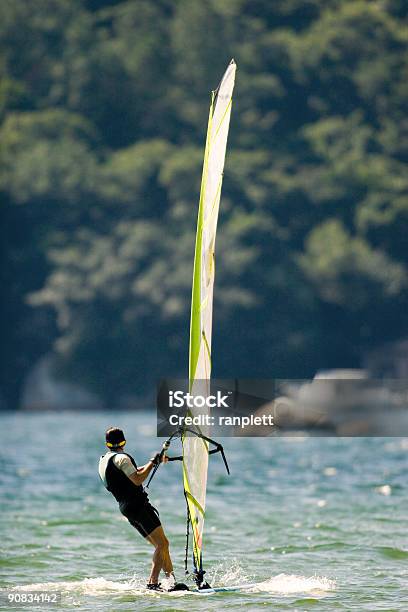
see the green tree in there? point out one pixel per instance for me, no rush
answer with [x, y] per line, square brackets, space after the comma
[103, 110]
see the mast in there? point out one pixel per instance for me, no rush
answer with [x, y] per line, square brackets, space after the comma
[195, 449]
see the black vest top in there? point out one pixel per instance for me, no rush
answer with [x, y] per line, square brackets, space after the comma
[121, 487]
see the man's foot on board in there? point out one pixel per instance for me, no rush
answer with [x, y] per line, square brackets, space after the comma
[154, 586]
[204, 585]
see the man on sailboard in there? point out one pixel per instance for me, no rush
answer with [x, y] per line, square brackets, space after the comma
[121, 476]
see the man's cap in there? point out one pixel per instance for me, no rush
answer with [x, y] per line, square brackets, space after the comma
[115, 437]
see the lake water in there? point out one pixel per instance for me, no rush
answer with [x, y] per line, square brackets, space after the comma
[317, 523]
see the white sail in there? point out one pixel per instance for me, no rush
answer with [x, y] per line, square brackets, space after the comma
[195, 449]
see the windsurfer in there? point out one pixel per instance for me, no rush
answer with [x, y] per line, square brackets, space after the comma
[122, 477]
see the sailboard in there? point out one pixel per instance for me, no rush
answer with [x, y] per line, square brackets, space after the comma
[224, 589]
[206, 591]
[196, 448]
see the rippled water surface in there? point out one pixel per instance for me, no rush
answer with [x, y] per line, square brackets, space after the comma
[315, 523]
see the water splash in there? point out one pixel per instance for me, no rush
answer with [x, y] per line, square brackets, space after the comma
[232, 573]
[88, 586]
[283, 584]
[289, 584]
[228, 573]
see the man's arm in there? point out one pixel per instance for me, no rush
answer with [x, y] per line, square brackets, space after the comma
[139, 476]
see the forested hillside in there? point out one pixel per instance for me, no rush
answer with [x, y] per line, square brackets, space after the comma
[103, 111]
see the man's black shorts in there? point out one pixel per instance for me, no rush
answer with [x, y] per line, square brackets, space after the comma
[144, 518]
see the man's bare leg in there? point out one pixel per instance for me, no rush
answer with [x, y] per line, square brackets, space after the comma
[161, 555]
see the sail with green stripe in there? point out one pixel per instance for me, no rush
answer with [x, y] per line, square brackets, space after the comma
[195, 449]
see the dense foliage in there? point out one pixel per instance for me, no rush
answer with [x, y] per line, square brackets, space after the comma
[103, 110]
